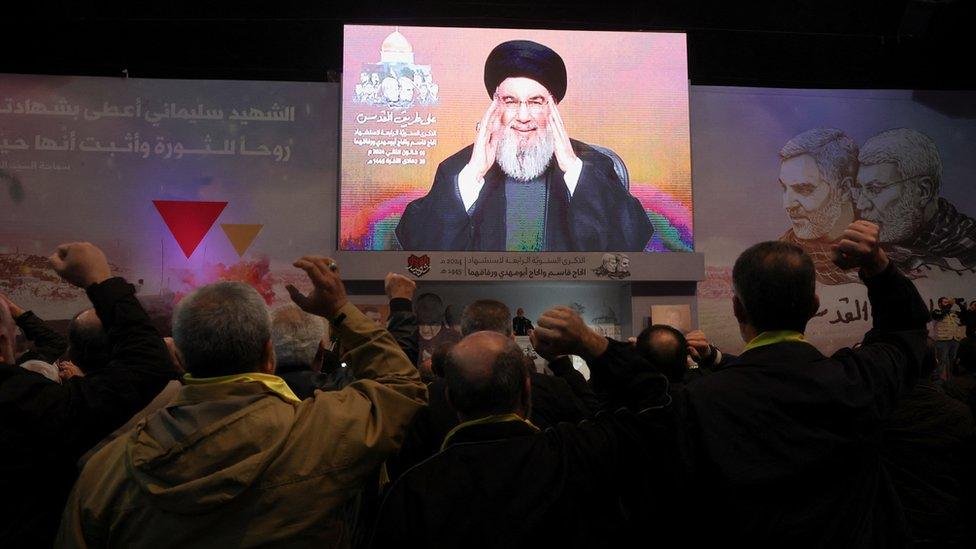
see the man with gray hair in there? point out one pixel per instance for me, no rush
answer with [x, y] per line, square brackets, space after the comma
[816, 173]
[214, 467]
[297, 338]
[898, 188]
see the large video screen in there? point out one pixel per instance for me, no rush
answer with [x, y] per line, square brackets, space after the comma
[514, 140]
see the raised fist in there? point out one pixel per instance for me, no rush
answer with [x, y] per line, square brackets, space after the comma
[81, 264]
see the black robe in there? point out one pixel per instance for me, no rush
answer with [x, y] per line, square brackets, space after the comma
[601, 215]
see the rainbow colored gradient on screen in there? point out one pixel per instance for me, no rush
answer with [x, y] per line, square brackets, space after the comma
[627, 91]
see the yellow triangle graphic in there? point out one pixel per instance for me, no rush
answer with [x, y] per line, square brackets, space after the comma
[241, 235]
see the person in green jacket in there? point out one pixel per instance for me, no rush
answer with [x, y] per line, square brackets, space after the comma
[236, 460]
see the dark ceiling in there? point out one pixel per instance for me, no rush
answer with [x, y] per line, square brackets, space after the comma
[923, 44]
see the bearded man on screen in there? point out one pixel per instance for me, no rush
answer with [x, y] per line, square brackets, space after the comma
[524, 185]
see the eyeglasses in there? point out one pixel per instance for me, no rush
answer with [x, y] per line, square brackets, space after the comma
[533, 104]
[872, 189]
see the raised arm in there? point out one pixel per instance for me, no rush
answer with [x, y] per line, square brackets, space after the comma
[368, 418]
[895, 302]
[49, 345]
[889, 358]
[616, 367]
[402, 323]
[78, 413]
[586, 402]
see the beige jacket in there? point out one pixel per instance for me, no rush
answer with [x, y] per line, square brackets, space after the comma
[236, 465]
[947, 328]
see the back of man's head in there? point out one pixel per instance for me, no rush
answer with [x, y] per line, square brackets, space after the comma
[296, 336]
[775, 283]
[486, 315]
[486, 375]
[88, 345]
[666, 349]
[222, 329]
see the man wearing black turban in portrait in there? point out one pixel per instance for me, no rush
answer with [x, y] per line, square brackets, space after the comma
[524, 185]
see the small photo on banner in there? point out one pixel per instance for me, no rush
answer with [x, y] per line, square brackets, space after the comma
[676, 316]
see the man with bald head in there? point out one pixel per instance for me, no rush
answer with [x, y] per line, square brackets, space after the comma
[487, 377]
[564, 396]
[87, 341]
[500, 481]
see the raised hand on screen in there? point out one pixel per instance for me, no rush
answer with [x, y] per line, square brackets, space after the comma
[486, 143]
[565, 155]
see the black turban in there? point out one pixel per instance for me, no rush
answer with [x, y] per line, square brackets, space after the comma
[529, 59]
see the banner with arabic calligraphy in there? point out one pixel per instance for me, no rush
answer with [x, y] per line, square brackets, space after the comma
[412, 97]
[181, 182]
[799, 165]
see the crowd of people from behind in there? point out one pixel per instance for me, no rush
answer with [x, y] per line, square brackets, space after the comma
[310, 425]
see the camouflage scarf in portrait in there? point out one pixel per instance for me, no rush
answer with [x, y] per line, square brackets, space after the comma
[949, 234]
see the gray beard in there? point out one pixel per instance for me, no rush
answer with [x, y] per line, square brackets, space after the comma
[820, 221]
[901, 219]
[528, 163]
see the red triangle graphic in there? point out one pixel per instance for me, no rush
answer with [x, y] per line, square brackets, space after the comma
[189, 220]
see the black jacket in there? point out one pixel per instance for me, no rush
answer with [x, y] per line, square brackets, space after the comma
[49, 345]
[784, 441]
[564, 397]
[521, 326]
[928, 450]
[600, 216]
[507, 485]
[402, 325]
[962, 387]
[45, 426]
